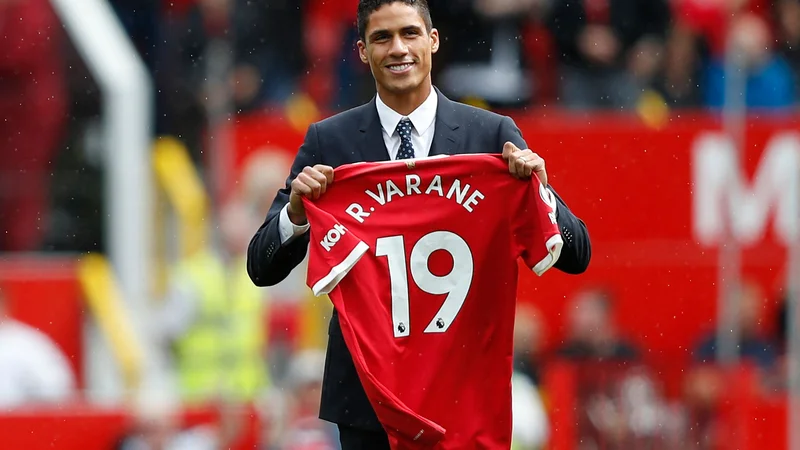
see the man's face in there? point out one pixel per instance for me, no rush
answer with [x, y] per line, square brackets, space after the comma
[398, 47]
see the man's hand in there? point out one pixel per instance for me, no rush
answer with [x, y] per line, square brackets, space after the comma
[524, 163]
[312, 182]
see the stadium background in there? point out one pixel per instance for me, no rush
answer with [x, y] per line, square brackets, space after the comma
[139, 137]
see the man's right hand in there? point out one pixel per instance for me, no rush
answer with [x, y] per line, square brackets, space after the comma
[312, 182]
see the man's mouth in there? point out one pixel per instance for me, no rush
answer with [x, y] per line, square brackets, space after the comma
[400, 68]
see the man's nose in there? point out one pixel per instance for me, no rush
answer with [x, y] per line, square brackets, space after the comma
[398, 47]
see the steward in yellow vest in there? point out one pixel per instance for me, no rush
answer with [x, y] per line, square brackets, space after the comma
[222, 352]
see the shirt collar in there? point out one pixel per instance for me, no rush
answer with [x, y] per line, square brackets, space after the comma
[422, 117]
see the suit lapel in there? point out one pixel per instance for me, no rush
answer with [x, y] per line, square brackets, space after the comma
[446, 136]
[371, 144]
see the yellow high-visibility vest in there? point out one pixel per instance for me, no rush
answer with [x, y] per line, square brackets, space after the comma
[222, 354]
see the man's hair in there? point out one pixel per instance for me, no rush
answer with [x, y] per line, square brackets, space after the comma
[367, 7]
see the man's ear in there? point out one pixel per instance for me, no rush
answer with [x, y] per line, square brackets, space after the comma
[434, 40]
[362, 51]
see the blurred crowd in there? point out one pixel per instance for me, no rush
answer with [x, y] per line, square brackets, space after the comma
[626, 398]
[502, 53]
[213, 59]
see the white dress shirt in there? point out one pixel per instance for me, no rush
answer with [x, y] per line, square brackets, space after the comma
[423, 120]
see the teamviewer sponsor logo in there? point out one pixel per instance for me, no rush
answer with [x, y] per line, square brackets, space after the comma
[332, 236]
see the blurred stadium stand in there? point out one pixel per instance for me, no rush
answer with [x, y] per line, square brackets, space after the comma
[136, 135]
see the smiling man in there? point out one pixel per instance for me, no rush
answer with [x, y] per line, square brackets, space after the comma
[408, 118]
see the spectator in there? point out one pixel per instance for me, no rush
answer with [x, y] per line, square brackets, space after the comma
[336, 78]
[768, 79]
[213, 319]
[263, 173]
[33, 370]
[304, 430]
[609, 50]
[227, 56]
[704, 385]
[592, 335]
[787, 16]
[32, 114]
[157, 427]
[529, 330]
[677, 81]
[753, 346]
[530, 424]
[482, 55]
[530, 427]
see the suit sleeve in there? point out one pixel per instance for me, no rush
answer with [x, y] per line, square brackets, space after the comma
[577, 250]
[333, 250]
[269, 262]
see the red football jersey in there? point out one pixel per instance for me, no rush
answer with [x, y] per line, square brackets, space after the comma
[419, 257]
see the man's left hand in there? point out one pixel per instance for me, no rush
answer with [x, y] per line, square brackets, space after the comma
[524, 163]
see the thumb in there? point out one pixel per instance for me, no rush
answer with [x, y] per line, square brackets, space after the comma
[508, 149]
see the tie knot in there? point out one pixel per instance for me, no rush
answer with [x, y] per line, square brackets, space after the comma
[404, 128]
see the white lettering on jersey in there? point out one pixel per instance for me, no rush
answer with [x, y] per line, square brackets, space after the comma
[459, 194]
[332, 236]
[392, 189]
[473, 200]
[379, 197]
[436, 185]
[412, 184]
[356, 211]
[462, 193]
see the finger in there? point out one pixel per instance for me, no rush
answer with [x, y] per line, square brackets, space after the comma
[542, 174]
[316, 188]
[529, 169]
[320, 178]
[300, 188]
[521, 159]
[325, 170]
[535, 164]
[539, 169]
[508, 149]
[519, 166]
[513, 167]
[311, 187]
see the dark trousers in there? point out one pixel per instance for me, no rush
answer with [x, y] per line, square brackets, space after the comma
[357, 439]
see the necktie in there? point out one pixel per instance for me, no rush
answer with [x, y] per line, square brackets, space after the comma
[406, 147]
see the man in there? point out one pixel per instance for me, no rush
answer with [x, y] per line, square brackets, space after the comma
[397, 40]
[33, 368]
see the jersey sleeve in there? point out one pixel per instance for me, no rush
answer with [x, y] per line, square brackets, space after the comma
[333, 250]
[536, 230]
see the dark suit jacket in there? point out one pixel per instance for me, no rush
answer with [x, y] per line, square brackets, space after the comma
[354, 136]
